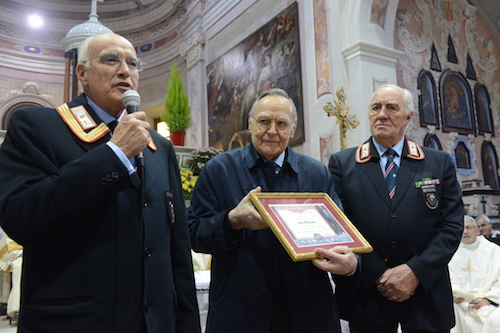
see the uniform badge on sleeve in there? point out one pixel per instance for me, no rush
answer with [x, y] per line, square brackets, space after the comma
[170, 206]
[428, 187]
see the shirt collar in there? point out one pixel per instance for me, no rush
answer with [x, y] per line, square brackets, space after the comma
[474, 245]
[398, 147]
[251, 157]
[280, 159]
[103, 115]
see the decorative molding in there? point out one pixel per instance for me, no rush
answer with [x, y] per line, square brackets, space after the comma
[29, 93]
[364, 49]
[412, 42]
[192, 48]
[166, 18]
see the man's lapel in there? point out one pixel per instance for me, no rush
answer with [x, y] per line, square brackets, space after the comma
[369, 161]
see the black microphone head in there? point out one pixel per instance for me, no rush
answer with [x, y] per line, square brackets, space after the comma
[131, 98]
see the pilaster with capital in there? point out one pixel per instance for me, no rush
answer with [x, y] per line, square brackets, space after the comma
[192, 50]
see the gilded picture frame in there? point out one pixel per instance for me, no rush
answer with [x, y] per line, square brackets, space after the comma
[303, 222]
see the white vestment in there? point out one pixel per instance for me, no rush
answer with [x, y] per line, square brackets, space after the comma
[475, 269]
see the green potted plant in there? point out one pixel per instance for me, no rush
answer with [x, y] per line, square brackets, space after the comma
[177, 114]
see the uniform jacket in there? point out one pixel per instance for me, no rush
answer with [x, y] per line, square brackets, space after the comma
[91, 262]
[248, 265]
[421, 227]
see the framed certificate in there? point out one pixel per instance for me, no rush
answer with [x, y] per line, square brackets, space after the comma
[304, 222]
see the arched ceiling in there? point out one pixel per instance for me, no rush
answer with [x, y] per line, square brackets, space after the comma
[148, 24]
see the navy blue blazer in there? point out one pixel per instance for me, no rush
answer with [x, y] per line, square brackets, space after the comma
[248, 265]
[421, 227]
[90, 264]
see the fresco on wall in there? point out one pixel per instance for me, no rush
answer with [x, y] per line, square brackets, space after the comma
[377, 14]
[268, 58]
[322, 45]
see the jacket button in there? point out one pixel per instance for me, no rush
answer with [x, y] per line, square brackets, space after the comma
[146, 306]
[104, 182]
[145, 204]
[393, 215]
[393, 243]
[115, 175]
[147, 252]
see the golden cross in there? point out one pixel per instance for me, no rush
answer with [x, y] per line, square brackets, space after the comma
[344, 119]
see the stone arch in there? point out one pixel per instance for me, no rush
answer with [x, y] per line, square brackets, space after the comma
[29, 96]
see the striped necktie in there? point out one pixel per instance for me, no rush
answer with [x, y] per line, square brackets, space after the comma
[391, 172]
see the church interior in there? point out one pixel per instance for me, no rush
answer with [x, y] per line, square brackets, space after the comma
[329, 55]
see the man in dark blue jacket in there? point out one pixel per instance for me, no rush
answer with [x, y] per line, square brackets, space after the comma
[414, 223]
[255, 285]
[98, 256]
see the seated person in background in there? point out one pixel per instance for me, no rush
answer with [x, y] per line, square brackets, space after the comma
[486, 229]
[255, 286]
[474, 270]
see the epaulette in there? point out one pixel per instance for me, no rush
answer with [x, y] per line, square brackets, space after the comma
[79, 121]
[363, 153]
[414, 151]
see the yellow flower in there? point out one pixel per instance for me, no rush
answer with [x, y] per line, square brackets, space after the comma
[188, 180]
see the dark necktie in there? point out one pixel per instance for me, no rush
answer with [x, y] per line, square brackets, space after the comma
[112, 125]
[391, 173]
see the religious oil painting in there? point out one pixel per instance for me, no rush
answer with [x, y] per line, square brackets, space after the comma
[484, 118]
[267, 58]
[427, 100]
[432, 141]
[463, 156]
[456, 104]
[489, 162]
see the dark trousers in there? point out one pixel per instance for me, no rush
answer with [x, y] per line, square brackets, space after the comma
[390, 327]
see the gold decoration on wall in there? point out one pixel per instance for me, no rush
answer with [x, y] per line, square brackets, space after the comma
[345, 120]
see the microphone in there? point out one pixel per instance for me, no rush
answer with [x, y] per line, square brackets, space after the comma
[131, 99]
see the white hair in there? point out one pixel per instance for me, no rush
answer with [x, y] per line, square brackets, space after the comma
[470, 219]
[407, 97]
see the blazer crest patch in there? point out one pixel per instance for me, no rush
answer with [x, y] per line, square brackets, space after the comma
[414, 151]
[79, 120]
[363, 153]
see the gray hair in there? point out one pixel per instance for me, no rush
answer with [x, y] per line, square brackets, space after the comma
[273, 92]
[407, 97]
[470, 219]
[486, 218]
[83, 52]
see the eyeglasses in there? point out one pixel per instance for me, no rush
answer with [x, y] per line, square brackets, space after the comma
[115, 60]
[265, 124]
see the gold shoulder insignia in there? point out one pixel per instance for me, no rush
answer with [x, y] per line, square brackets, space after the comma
[363, 153]
[78, 120]
[414, 151]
